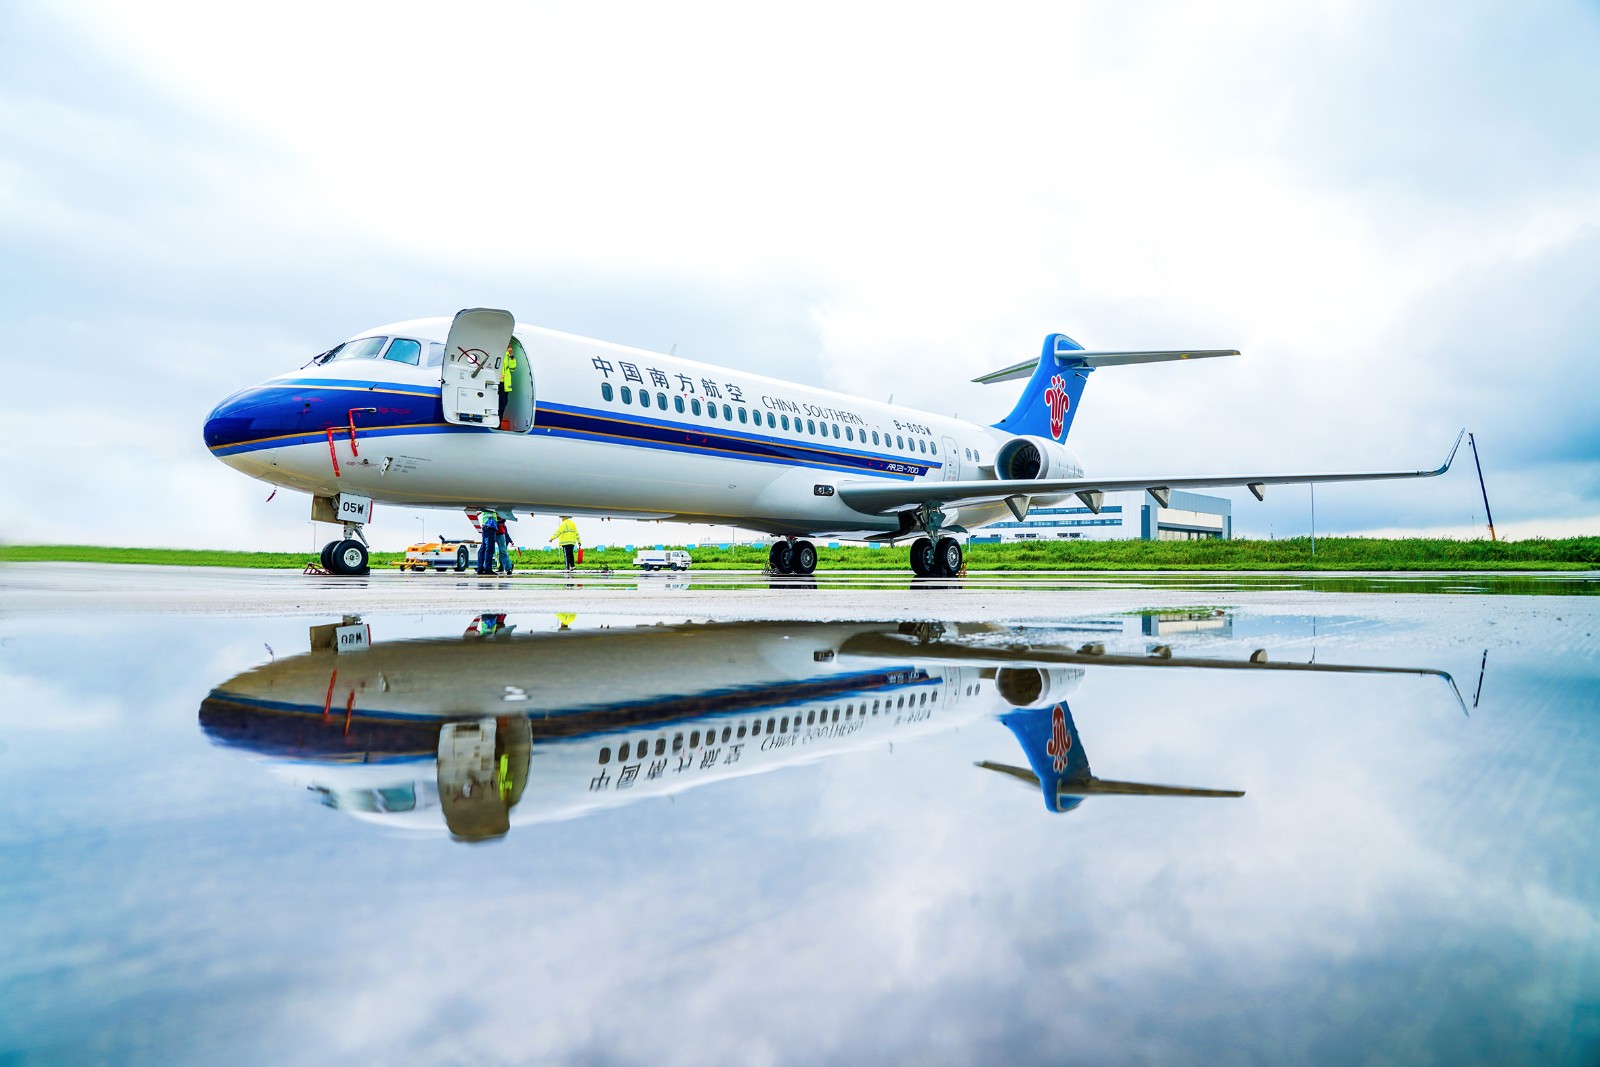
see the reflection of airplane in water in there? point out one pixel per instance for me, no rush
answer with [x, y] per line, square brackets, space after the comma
[529, 727]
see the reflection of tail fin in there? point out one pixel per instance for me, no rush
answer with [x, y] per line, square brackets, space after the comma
[1049, 739]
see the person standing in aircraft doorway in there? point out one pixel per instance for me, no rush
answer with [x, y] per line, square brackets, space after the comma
[567, 536]
[488, 531]
[507, 367]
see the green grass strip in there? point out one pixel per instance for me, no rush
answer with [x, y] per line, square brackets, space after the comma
[1291, 554]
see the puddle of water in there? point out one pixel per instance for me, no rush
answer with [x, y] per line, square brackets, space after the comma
[441, 838]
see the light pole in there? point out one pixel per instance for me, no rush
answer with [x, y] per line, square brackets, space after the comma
[1313, 522]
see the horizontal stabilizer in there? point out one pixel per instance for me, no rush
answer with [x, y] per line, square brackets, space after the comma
[1101, 787]
[1073, 357]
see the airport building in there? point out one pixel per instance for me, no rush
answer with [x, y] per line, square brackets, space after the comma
[1128, 516]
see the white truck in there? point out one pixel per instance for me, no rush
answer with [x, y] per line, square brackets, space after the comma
[656, 559]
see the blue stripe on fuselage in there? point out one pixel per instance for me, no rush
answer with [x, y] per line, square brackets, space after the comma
[282, 414]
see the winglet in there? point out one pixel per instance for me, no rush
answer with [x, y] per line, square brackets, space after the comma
[1452, 456]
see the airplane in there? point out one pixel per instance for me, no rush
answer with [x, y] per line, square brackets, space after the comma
[414, 414]
[495, 728]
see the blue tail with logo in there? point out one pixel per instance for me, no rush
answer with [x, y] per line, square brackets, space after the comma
[1059, 766]
[1050, 399]
[1049, 738]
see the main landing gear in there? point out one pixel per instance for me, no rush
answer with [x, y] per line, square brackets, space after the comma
[934, 556]
[346, 557]
[792, 557]
[936, 559]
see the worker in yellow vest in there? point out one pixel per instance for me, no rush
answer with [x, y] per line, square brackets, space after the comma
[566, 536]
[508, 367]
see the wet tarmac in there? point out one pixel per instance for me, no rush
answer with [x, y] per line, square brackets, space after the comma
[1065, 818]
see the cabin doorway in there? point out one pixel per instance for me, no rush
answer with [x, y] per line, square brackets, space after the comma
[516, 415]
[470, 381]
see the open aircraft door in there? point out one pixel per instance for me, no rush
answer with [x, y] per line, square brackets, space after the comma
[473, 355]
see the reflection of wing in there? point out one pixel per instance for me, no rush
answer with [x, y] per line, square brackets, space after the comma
[941, 653]
[876, 498]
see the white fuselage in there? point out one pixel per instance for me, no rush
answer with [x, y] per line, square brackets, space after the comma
[767, 458]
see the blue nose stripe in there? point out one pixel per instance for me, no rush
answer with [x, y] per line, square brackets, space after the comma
[271, 415]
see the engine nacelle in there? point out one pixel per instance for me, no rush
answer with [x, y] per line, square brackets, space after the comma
[1025, 687]
[1035, 458]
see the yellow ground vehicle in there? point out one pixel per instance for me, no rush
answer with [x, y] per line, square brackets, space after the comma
[442, 554]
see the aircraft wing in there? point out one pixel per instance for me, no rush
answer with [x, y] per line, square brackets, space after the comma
[878, 498]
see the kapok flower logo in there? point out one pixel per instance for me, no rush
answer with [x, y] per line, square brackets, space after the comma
[1060, 742]
[1057, 400]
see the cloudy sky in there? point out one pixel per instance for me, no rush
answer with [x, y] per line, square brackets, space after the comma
[1393, 210]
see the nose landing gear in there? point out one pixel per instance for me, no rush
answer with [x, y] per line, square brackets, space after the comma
[346, 557]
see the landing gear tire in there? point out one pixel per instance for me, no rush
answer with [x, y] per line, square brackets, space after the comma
[326, 558]
[947, 557]
[922, 561]
[781, 557]
[461, 558]
[805, 557]
[348, 558]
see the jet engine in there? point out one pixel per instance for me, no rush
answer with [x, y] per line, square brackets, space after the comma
[1035, 458]
[1023, 687]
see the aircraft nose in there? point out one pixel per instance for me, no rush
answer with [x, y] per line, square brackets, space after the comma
[248, 415]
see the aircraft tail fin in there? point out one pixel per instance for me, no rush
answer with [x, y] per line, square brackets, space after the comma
[1056, 379]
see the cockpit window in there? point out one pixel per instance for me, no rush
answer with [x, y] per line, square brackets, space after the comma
[435, 355]
[364, 348]
[404, 350]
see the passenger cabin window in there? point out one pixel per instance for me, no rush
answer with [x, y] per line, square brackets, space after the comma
[605, 391]
[727, 412]
[836, 429]
[711, 411]
[743, 415]
[772, 423]
[677, 402]
[786, 422]
[365, 348]
[874, 436]
[627, 395]
[811, 427]
[404, 350]
[661, 401]
[694, 405]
